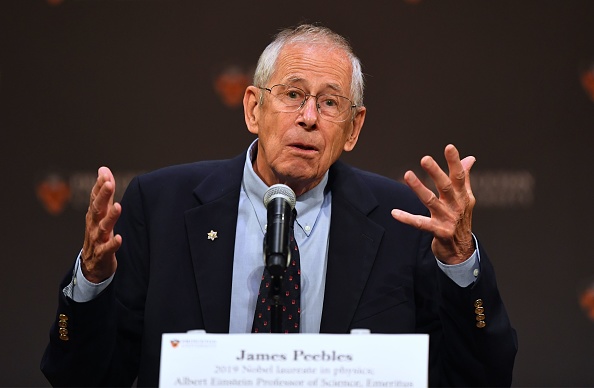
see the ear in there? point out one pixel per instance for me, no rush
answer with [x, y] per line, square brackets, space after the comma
[355, 129]
[251, 108]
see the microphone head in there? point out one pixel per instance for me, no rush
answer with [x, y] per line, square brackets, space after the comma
[280, 191]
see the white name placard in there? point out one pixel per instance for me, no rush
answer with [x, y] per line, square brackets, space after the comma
[294, 360]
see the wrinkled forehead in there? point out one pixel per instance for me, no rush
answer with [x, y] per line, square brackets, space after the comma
[317, 65]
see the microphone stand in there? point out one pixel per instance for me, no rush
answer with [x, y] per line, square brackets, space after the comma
[279, 201]
[276, 267]
[276, 310]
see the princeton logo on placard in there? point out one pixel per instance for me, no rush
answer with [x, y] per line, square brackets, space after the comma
[174, 343]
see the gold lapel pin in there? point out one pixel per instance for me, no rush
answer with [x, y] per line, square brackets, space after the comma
[212, 235]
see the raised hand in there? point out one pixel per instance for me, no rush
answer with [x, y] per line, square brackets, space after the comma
[451, 212]
[98, 259]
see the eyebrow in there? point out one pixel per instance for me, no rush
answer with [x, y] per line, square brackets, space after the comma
[333, 86]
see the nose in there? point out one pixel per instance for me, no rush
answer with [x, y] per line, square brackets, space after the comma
[308, 114]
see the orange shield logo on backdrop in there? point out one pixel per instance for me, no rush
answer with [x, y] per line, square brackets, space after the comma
[174, 343]
[230, 85]
[54, 193]
[586, 299]
[587, 80]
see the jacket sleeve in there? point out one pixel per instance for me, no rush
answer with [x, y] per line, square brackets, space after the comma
[472, 342]
[97, 343]
[82, 343]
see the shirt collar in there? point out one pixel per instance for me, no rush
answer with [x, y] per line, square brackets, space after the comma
[308, 205]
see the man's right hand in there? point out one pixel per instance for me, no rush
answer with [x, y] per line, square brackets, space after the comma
[98, 259]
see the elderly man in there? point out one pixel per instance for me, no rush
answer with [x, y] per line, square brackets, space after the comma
[184, 249]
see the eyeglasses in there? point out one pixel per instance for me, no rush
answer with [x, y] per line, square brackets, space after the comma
[289, 99]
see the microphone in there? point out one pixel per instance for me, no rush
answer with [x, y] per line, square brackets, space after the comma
[279, 201]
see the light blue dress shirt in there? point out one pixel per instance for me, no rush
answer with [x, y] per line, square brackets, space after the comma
[311, 233]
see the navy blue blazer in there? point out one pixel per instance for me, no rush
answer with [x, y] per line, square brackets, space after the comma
[381, 275]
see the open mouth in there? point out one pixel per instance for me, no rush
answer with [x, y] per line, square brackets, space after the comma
[304, 147]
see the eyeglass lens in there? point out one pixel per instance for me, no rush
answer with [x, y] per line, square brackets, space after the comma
[293, 98]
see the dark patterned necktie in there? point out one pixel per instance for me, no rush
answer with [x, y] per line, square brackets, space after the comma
[290, 293]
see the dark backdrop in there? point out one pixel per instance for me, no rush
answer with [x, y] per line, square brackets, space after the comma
[137, 85]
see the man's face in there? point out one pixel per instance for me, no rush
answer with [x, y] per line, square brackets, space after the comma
[298, 148]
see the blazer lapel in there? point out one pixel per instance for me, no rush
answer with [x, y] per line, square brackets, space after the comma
[354, 241]
[211, 234]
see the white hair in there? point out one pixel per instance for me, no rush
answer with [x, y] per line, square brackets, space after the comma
[307, 33]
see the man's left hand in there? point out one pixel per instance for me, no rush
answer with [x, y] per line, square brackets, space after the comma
[451, 212]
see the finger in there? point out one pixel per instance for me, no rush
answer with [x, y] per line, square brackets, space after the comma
[416, 221]
[100, 205]
[103, 175]
[97, 198]
[107, 250]
[104, 256]
[442, 181]
[107, 176]
[457, 174]
[467, 164]
[425, 195]
[97, 187]
[105, 194]
[107, 224]
[105, 172]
